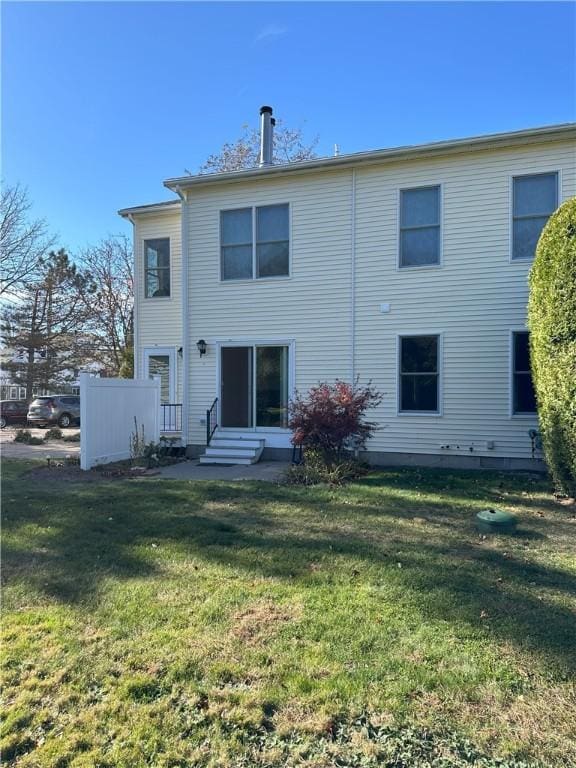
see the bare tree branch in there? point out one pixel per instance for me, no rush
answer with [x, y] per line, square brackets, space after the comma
[109, 299]
[23, 242]
[289, 147]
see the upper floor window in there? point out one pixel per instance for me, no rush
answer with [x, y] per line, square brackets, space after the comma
[420, 226]
[157, 267]
[255, 242]
[523, 397]
[419, 374]
[534, 199]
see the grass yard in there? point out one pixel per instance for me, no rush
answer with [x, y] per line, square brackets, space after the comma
[166, 623]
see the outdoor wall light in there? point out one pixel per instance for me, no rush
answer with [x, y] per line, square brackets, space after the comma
[180, 352]
[201, 346]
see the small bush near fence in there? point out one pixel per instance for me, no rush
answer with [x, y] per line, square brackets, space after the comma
[25, 436]
[54, 433]
[150, 454]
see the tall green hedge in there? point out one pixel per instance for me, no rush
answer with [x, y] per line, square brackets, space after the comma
[552, 322]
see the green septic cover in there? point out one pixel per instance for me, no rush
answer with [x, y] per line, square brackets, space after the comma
[495, 519]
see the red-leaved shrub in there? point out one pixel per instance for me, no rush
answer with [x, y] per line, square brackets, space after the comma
[330, 417]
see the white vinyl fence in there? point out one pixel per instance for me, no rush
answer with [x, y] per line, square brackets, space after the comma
[108, 408]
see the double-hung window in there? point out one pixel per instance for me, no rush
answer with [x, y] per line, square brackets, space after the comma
[255, 242]
[419, 374]
[157, 267]
[523, 397]
[534, 199]
[420, 226]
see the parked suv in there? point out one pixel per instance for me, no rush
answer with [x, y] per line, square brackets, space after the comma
[63, 410]
[13, 412]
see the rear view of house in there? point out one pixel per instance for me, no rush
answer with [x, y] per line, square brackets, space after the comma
[407, 267]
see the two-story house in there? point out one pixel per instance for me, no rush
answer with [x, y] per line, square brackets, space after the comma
[406, 266]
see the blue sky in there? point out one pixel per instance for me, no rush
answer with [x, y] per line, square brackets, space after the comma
[103, 101]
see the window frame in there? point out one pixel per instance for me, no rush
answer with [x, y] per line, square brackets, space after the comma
[511, 373]
[146, 269]
[254, 277]
[439, 412]
[413, 187]
[546, 172]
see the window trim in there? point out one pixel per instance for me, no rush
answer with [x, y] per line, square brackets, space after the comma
[532, 415]
[254, 278]
[170, 296]
[432, 185]
[559, 200]
[419, 414]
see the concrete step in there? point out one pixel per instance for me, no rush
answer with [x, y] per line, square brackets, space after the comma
[244, 436]
[226, 460]
[222, 442]
[242, 453]
[227, 450]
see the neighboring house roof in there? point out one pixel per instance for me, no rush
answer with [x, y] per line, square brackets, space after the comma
[439, 148]
[168, 205]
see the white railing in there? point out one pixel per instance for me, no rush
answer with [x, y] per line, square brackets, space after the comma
[109, 409]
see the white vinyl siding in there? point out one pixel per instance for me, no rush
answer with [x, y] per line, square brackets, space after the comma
[475, 299]
[158, 321]
[310, 307]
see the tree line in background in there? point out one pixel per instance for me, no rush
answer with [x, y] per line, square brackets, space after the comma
[60, 314]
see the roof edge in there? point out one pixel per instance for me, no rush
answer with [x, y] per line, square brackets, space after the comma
[166, 206]
[448, 147]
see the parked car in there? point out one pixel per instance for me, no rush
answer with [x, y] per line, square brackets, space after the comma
[63, 410]
[13, 412]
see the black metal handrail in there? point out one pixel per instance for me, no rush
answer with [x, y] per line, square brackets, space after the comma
[211, 417]
[171, 417]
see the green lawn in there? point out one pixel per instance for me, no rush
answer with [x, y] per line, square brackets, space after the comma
[166, 623]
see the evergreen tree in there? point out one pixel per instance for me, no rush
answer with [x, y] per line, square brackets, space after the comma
[45, 328]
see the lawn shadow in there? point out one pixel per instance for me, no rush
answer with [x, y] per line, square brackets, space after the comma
[66, 540]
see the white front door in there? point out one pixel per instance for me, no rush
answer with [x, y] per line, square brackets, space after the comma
[161, 361]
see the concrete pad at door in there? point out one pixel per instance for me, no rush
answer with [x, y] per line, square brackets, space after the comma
[269, 471]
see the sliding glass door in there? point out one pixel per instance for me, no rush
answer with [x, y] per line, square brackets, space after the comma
[236, 388]
[254, 386]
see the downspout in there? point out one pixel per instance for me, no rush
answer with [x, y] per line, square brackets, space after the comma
[185, 288]
[353, 280]
[135, 323]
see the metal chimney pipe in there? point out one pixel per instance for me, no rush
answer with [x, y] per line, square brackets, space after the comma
[267, 123]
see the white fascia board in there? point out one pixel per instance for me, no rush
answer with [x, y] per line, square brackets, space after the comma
[565, 131]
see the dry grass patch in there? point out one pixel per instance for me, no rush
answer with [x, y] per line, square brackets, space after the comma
[261, 621]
